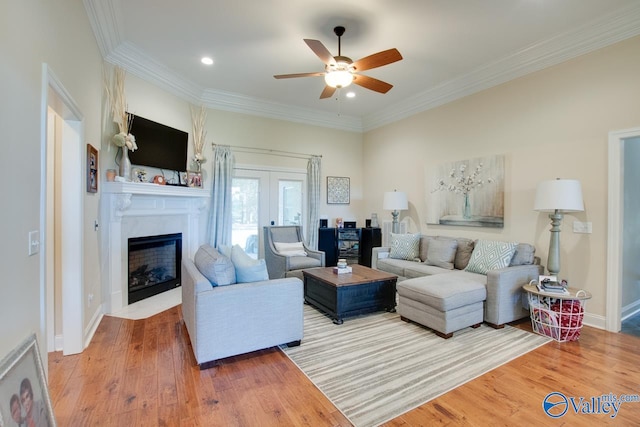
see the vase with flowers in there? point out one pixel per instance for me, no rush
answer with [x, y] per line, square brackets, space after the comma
[124, 140]
[198, 117]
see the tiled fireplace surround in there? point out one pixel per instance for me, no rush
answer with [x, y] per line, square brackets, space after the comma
[136, 210]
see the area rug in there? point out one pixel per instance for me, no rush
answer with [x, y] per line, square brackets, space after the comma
[377, 367]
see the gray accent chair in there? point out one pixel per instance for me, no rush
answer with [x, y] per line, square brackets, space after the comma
[224, 321]
[280, 266]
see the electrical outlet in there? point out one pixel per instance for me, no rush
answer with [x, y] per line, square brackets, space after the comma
[90, 298]
[34, 242]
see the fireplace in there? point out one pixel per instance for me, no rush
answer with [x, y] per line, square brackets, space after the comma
[154, 265]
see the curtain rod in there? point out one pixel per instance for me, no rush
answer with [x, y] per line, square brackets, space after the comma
[270, 152]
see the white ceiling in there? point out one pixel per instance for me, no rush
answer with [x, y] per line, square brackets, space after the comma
[451, 48]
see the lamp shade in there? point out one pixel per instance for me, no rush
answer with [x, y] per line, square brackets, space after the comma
[559, 194]
[395, 200]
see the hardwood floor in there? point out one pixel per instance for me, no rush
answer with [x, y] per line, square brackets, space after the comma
[142, 372]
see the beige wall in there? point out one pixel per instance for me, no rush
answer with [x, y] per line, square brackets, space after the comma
[33, 33]
[553, 123]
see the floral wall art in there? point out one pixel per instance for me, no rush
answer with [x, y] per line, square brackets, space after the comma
[467, 192]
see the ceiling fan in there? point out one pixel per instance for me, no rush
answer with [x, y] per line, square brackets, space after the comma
[341, 71]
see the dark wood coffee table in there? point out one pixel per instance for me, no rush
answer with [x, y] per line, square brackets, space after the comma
[364, 290]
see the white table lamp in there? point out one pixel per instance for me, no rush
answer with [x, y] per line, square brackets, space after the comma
[557, 196]
[395, 201]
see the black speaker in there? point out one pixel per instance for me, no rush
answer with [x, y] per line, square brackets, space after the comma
[328, 244]
[367, 223]
[323, 223]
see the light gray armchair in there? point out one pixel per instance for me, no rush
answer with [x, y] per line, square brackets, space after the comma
[279, 265]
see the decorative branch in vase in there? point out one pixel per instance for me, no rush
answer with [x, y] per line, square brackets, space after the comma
[123, 140]
[199, 118]
[462, 184]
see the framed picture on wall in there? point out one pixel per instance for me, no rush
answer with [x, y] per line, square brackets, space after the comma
[338, 191]
[24, 397]
[92, 169]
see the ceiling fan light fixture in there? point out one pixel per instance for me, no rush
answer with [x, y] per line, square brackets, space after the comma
[338, 78]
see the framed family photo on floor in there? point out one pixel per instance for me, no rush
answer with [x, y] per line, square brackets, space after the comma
[24, 396]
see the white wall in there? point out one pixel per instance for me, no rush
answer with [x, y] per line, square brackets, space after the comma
[31, 33]
[553, 123]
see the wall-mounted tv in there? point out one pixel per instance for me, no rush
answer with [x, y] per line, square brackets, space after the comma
[159, 146]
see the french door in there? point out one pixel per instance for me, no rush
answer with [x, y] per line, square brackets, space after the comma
[265, 197]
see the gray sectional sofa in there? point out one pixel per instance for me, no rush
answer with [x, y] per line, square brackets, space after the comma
[435, 290]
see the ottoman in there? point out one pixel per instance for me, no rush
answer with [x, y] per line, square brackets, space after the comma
[443, 302]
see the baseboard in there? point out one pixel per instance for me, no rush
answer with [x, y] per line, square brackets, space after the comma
[91, 328]
[58, 342]
[630, 310]
[595, 321]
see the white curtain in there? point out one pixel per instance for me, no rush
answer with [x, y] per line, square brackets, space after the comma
[219, 226]
[313, 183]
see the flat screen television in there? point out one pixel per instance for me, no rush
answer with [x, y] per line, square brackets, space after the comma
[159, 146]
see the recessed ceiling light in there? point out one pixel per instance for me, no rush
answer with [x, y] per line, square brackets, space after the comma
[206, 60]
[351, 94]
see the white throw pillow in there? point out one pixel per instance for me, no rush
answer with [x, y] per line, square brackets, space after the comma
[490, 255]
[290, 249]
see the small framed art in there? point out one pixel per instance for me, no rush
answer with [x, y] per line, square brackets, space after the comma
[194, 179]
[24, 397]
[338, 191]
[92, 169]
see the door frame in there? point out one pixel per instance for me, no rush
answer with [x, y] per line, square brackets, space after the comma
[55, 96]
[613, 317]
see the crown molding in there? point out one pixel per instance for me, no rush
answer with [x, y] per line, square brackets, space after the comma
[105, 19]
[106, 22]
[605, 31]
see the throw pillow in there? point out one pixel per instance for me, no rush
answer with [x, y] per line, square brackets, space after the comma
[405, 246]
[490, 255]
[442, 253]
[225, 250]
[217, 268]
[463, 254]
[524, 254]
[290, 249]
[247, 268]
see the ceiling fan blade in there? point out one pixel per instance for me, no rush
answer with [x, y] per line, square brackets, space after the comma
[327, 92]
[377, 60]
[372, 84]
[322, 52]
[290, 76]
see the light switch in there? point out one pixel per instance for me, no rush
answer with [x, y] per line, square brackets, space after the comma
[34, 242]
[582, 227]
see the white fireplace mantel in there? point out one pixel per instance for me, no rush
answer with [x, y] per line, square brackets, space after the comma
[129, 210]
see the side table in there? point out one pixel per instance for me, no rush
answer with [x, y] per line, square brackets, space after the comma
[554, 315]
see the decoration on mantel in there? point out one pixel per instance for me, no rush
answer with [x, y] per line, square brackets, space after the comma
[199, 118]
[124, 140]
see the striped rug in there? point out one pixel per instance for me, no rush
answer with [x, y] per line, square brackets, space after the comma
[377, 367]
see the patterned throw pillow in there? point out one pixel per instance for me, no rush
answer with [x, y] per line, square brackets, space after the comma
[404, 246]
[490, 255]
